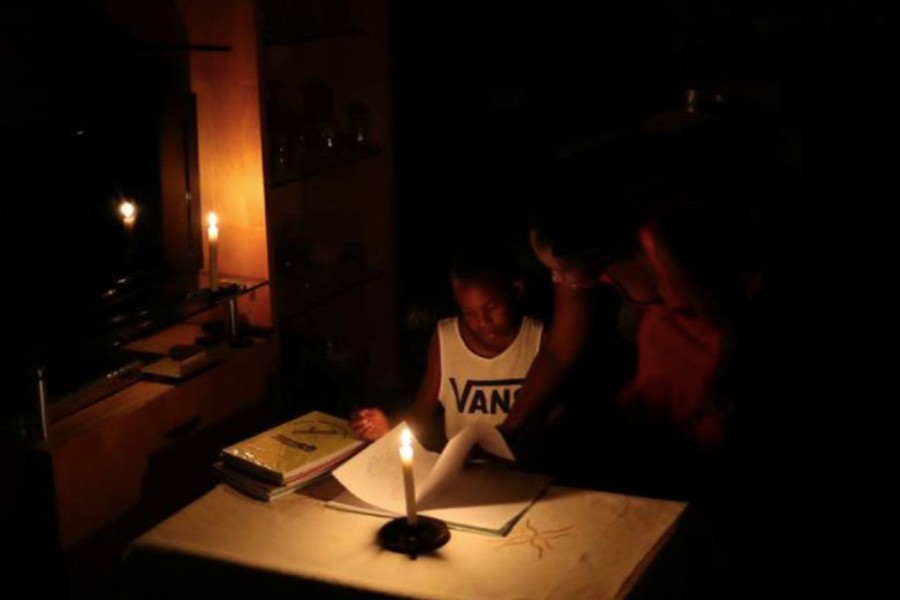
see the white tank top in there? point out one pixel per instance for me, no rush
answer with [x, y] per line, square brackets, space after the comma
[475, 388]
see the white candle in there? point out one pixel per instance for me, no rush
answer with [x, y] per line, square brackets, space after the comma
[213, 234]
[409, 484]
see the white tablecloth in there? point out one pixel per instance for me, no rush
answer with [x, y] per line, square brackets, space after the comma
[571, 544]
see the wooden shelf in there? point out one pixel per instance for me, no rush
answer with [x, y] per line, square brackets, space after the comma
[288, 21]
[305, 290]
[313, 164]
[135, 395]
[284, 37]
[103, 452]
[156, 48]
[323, 203]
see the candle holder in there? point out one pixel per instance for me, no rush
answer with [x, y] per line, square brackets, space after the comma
[232, 334]
[428, 534]
[235, 337]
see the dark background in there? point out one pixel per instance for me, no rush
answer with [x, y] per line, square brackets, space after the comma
[489, 95]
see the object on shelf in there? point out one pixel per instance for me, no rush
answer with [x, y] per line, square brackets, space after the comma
[307, 139]
[309, 164]
[120, 371]
[184, 360]
[329, 138]
[287, 21]
[359, 119]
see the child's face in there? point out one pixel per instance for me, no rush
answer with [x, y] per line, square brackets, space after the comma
[487, 310]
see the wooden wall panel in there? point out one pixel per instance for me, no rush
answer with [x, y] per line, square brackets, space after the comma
[231, 173]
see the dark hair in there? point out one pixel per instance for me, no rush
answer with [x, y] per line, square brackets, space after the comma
[711, 176]
[588, 210]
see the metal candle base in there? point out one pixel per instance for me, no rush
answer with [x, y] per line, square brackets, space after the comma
[426, 535]
[232, 329]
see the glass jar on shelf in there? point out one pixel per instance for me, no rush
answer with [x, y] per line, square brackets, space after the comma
[359, 119]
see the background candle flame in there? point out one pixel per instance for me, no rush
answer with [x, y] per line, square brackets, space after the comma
[127, 209]
[212, 233]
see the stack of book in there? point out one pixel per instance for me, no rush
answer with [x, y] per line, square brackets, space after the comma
[287, 457]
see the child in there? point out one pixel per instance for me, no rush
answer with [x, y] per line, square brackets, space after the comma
[477, 361]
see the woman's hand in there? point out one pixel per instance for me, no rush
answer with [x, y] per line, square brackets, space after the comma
[369, 424]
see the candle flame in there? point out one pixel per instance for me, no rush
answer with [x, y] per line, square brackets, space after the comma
[127, 209]
[213, 220]
[406, 437]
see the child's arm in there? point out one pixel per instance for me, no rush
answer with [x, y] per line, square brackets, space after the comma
[369, 424]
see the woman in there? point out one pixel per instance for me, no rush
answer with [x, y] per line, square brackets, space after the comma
[673, 228]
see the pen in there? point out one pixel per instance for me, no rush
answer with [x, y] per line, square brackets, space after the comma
[294, 443]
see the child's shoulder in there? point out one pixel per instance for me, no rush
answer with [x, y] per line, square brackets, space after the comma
[446, 326]
[446, 322]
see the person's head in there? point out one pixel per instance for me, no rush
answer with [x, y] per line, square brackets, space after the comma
[702, 190]
[487, 288]
[575, 271]
[587, 220]
[629, 271]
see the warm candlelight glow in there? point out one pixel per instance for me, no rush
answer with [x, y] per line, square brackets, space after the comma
[128, 210]
[213, 229]
[409, 486]
[213, 234]
[406, 454]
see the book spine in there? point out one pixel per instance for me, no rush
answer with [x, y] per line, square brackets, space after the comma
[253, 469]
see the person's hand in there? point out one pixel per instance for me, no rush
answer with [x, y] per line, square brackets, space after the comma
[369, 424]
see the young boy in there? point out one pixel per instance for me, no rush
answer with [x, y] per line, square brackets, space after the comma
[477, 361]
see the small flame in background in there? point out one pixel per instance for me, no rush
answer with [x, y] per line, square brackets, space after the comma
[128, 210]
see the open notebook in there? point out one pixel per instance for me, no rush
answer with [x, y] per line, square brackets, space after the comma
[485, 498]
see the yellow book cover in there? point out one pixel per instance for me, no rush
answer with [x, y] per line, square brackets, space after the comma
[291, 450]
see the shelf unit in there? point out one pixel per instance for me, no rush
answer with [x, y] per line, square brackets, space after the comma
[121, 367]
[279, 37]
[145, 420]
[289, 170]
[308, 290]
[327, 144]
[292, 22]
